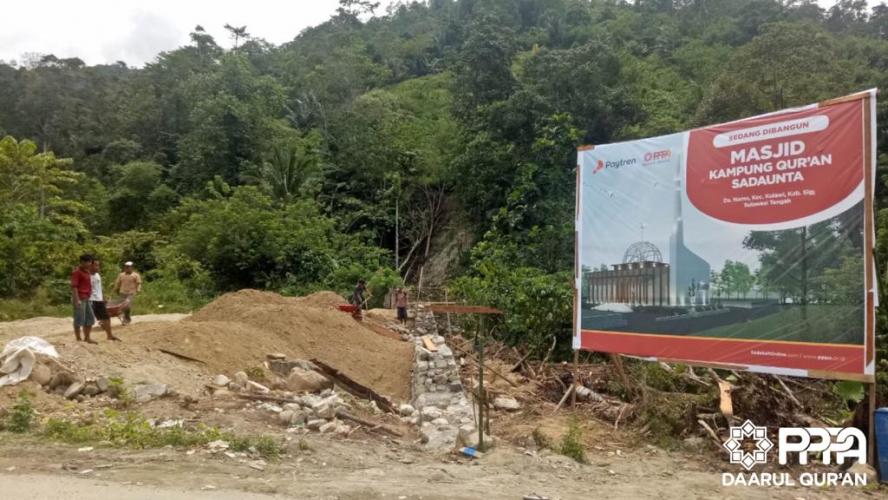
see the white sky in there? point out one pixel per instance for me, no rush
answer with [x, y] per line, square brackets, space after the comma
[105, 31]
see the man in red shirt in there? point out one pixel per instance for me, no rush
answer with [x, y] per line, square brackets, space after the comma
[81, 289]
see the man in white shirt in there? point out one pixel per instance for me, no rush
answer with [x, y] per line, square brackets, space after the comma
[97, 300]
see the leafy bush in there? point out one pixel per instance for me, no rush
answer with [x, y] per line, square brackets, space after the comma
[21, 417]
[132, 430]
[537, 304]
[572, 442]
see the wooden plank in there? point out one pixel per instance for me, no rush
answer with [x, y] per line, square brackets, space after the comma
[427, 342]
[461, 309]
[181, 356]
[344, 415]
[354, 388]
[725, 404]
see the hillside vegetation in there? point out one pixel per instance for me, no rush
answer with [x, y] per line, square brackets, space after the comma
[344, 152]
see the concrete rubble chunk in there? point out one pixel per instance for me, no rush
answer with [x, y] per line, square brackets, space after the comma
[74, 390]
[285, 416]
[41, 374]
[406, 410]
[217, 446]
[221, 380]
[61, 379]
[292, 407]
[103, 384]
[328, 427]
[241, 378]
[91, 389]
[299, 418]
[222, 393]
[430, 413]
[309, 400]
[270, 407]
[302, 380]
[445, 351]
[315, 424]
[257, 387]
[506, 403]
[440, 421]
[146, 392]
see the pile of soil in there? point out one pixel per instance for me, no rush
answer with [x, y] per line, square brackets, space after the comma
[327, 300]
[238, 329]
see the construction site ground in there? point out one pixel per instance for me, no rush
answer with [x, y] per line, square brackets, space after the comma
[362, 465]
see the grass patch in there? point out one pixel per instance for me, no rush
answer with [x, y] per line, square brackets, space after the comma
[13, 309]
[132, 430]
[21, 415]
[824, 323]
[572, 442]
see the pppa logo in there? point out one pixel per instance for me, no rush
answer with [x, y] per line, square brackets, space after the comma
[657, 156]
[844, 442]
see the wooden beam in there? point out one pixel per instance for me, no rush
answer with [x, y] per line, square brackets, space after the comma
[354, 388]
[344, 415]
[461, 309]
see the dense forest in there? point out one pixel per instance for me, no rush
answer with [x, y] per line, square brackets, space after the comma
[381, 144]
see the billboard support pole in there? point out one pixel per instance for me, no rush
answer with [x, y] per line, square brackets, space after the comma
[575, 376]
[870, 433]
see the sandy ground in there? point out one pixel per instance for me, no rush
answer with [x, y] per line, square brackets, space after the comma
[352, 470]
[364, 466]
[62, 329]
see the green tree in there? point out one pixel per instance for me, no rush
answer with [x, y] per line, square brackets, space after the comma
[736, 278]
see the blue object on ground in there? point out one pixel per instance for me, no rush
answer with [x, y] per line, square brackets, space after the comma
[881, 421]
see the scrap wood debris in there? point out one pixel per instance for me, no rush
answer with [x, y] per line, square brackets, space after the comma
[678, 400]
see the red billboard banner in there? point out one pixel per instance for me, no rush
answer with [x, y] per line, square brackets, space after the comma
[745, 244]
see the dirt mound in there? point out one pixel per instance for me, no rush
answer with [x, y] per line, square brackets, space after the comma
[325, 300]
[238, 329]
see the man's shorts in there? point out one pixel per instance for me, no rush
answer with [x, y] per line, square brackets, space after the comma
[402, 313]
[83, 314]
[99, 310]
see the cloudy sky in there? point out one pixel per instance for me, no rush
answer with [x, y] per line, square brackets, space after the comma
[105, 31]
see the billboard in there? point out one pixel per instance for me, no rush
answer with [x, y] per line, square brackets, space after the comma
[746, 245]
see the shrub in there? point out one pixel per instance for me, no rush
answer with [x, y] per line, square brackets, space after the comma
[21, 418]
[572, 442]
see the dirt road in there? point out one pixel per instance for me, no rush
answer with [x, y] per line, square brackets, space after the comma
[328, 468]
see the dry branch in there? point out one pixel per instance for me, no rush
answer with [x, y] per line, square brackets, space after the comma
[564, 398]
[789, 392]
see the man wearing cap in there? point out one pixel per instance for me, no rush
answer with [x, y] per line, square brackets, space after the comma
[128, 284]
